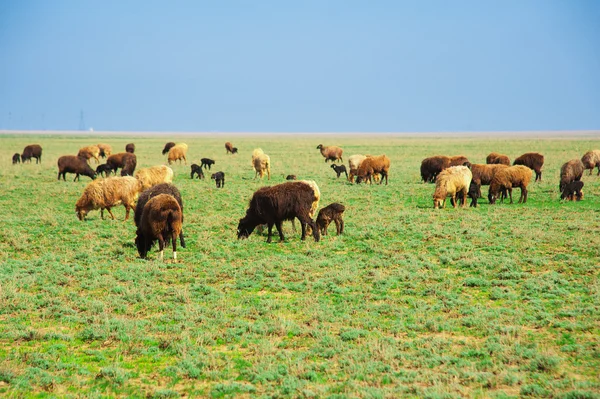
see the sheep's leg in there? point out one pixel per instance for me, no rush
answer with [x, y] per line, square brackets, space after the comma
[110, 213]
[524, 194]
[102, 213]
[161, 246]
[270, 231]
[464, 198]
[174, 239]
[509, 189]
[338, 226]
[182, 239]
[127, 208]
[280, 230]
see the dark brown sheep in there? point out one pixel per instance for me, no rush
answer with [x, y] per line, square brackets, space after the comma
[167, 147]
[103, 170]
[331, 213]
[286, 201]
[331, 153]
[234, 150]
[291, 177]
[371, 166]
[432, 166]
[229, 148]
[219, 179]
[161, 221]
[122, 160]
[16, 158]
[130, 164]
[196, 170]
[339, 169]
[483, 173]
[494, 158]
[572, 191]
[570, 171]
[74, 164]
[206, 163]
[130, 148]
[32, 151]
[533, 161]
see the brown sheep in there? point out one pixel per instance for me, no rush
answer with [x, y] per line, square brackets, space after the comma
[107, 193]
[105, 150]
[123, 160]
[155, 175]
[161, 220]
[372, 165]
[291, 177]
[495, 158]
[458, 160]
[32, 151]
[433, 166]
[353, 164]
[507, 178]
[452, 182]
[167, 147]
[262, 164]
[130, 148]
[178, 153]
[331, 153]
[483, 173]
[16, 158]
[130, 164]
[89, 152]
[590, 160]
[532, 160]
[74, 164]
[229, 148]
[332, 212]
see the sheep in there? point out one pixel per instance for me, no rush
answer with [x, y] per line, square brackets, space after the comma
[177, 153]
[495, 158]
[155, 175]
[590, 160]
[474, 193]
[452, 181]
[572, 191]
[89, 152]
[483, 173]
[262, 164]
[167, 147]
[197, 170]
[339, 170]
[121, 160]
[206, 163]
[274, 204]
[130, 148]
[16, 158]
[372, 165]
[105, 150]
[74, 164]
[458, 160]
[432, 166]
[219, 179]
[331, 153]
[103, 170]
[255, 153]
[107, 193]
[161, 220]
[354, 163]
[570, 171]
[229, 148]
[507, 178]
[332, 212]
[291, 177]
[130, 164]
[32, 151]
[532, 160]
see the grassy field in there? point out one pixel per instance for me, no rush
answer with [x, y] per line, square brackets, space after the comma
[499, 301]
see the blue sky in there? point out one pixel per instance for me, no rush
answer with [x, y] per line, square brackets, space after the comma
[300, 66]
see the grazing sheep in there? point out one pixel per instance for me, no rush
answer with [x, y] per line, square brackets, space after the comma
[107, 193]
[332, 212]
[495, 158]
[177, 153]
[103, 170]
[452, 181]
[507, 178]
[255, 153]
[272, 205]
[433, 166]
[219, 179]
[130, 148]
[331, 153]
[105, 150]
[167, 147]
[16, 158]
[74, 164]
[262, 164]
[197, 170]
[32, 151]
[572, 191]
[291, 177]
[339, 170]
[474, 193]
[372, 165]
[234, 150]
[483, 173]
[229, 148]
[130, 164]
[590, 160]
[206, 163]
[354, 163]
[161, 220]
[532, 160]
[89, 152]
[121, 160]
[155, 175]
[458, 160]
[570, 171]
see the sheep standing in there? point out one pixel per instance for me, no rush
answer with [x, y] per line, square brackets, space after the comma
[178, 153]
[452, 182]
[219, 179]
[32, 151]
[229, 148]
[155, 175]
[433, 166]
[167, 147]
[373, 165]
[590, 160]
[206, 163]
[107, 193]
[507, 178]
[16, 158]
[130, 148]
[494, 158]
[74, 164]
[569, 172]
[572, 191]
[121, 160]
[331, 153]
[484, 173]
[89, 152]
[105, 150]
[532, 160]
[196, 170]
[103, 170]
[339, 169]
[332, 212]
[353, 164]
[130, 163]
[262, 165]
[161, 220]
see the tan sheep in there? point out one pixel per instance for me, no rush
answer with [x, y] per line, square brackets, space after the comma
[262, 164]
[331, 153]
[354, 163]
[91, 151]
[177, 153]
[315, 205]
[591, 159]
[507, 178]
[107, 193]
[451, 182]
[105, 150]
[255, 153]
[155, 175]
[372, 165]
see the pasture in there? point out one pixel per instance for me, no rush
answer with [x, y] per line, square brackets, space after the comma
[499, 301]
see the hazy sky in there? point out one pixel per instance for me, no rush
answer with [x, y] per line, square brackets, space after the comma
[295, 66]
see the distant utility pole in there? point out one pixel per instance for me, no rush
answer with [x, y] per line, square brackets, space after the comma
[81, 121]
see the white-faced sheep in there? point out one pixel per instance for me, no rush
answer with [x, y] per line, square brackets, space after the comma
[372, 165]
[161, 221]
[331, 153]
[105, 150]
[178, 153]
[569, 172]
[591, 159]
[262, 165]
[532, 160]
[89, 152]
[452, 182]
[495, 158]
[155, 175]
[507, 178]
[107, 193]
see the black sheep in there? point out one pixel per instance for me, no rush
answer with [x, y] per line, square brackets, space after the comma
[104, 170]
[206, 163]
[291, 177]
[32, 151]
[572, 191]
[219, 179]
[339, 170]
[197, 170]
[16, 158]
[168, 146]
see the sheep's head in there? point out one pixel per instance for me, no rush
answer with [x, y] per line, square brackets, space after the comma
[81, 212]
[319, 146]
[333, 166]
[438, 203]
[245, 228]
[492, 198]
[143, 246]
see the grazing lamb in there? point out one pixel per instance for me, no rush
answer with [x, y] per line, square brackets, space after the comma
[331, 153]
[262, 164]
[572, 191]
[103, 170]
[206, 163]
[532, 160]
[591, 159]
[155, 175]
[495, 158]
[105, 150]
[107, 193]
[197, 170]
[272, 205]
[89, 152]
[483, 173]
[167, 147]
[372, 165]
[121, 160]
[332, 212]
[178, 153]
[234, 150]
[433, 166]
[570, 171]
[16, 158]
[354, 163]
[219, 179]
[452, 182]
[74, 164]
[291, 177]
[130, 148]
[32, 151]
[507, 178]
[339, 170]
[229, 148]
[161, 220]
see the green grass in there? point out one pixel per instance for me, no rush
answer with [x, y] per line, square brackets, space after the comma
[499, 301]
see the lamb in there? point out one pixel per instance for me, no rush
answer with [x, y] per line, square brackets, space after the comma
[105, 150]
[331, 153]
[262, 164]
[590, 160]
[570, 171]
[177, 153]
[229, 148]
[339, 170]
[332, 212]
[32, 151]
[432, 166]
[272, 205]
[197, 170]
[107, 193]
[453, 181]
[167, 147]
[354, 163]
[495, 158]
[130, 148]
[74, 164]
[291, 177]
[161, 220]
[219, 179]
[483, 173]
[532, 160]
[130, 164]
[572, 191]
[16, 158]
[103, 170]
[155, 175]
[507, 178]
[372, 165]
[121, 160]
[206, 163]
[89, 152]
